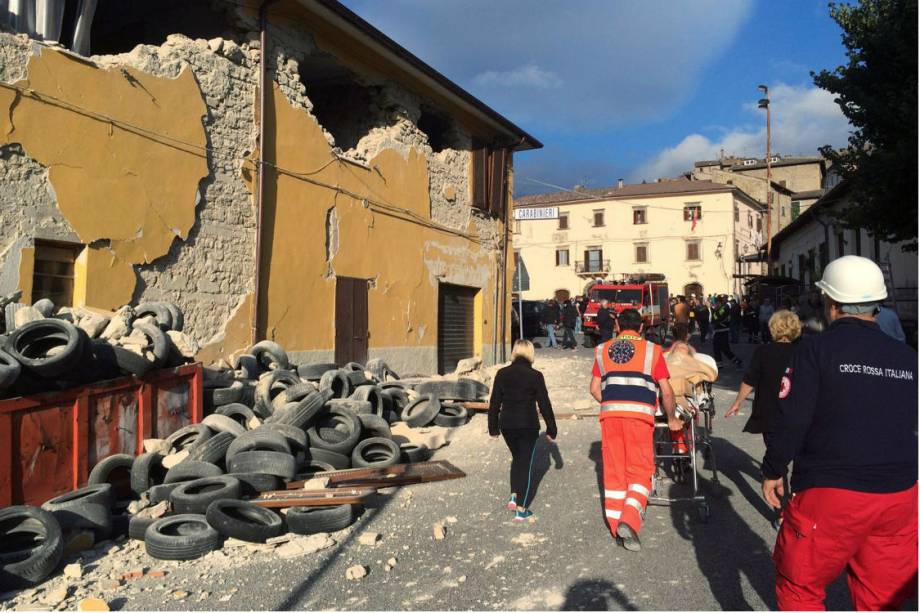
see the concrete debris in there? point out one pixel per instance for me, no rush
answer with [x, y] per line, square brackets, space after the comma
[440, 531]
[468, 365]
[73, 571]
[156, 511]
[25, 315]
[461, 579]
[391, 564]
[225, 598]
[278, 540]
[450, 519]
[184, 344]
[304, 545]
[175, 458]
[356, 572]
[155, 445]
[93, 604]
[369, 538]
[180, 595]
[316, 483]
[56, 597]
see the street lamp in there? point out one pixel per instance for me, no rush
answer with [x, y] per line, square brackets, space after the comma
[764, 103]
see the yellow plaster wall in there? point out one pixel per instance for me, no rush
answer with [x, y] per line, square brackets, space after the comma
[374, 241]
[101, 281]
[131, 180]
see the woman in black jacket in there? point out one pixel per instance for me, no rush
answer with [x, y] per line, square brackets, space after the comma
[517, 391]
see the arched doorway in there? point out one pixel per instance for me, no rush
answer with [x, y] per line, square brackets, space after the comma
[562, 295]
[693, 289]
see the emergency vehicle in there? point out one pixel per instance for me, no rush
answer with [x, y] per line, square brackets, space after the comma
[648, 294]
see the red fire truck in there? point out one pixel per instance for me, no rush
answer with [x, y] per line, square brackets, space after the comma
[648, 294]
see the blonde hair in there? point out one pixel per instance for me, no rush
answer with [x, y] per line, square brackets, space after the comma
[523, 348]
[785, 326]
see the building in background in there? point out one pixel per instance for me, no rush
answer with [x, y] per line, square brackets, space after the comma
[695, 233]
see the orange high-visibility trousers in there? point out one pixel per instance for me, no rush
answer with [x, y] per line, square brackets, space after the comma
[629, 464]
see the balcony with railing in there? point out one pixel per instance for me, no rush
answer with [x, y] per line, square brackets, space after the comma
[592, 267]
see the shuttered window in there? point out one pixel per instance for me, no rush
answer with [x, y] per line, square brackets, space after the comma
[562, 257]
[455, 325]
[490, 179]
[641, 253]
[53, 275]
[693, 250]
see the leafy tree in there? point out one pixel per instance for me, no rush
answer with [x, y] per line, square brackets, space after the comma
[877, 91]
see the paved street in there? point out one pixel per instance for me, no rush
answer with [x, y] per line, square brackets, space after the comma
[565, 559]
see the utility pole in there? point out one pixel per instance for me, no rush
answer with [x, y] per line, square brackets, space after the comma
[764, 103]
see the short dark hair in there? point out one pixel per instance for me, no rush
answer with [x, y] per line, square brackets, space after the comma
[629, 319]
[681, 332]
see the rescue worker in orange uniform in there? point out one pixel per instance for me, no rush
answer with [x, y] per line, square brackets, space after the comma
[847, 420]
[628, 373]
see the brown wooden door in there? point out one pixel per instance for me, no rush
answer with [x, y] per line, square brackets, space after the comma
[350, 320]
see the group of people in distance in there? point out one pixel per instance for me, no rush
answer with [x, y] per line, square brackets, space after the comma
[565, 314]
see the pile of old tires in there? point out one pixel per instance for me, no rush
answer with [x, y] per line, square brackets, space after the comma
[58, 350]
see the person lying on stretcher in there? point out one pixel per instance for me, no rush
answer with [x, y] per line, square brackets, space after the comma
[688, 369]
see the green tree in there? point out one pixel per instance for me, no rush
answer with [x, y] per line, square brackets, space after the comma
[877, 91]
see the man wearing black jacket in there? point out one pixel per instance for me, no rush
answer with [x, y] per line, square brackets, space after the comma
[569, 317]
[847, 420]
[605, 322]
[549, 318]
[517, 392]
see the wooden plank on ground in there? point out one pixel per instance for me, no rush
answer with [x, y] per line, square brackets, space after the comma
[388, 476]
[314, 498]
[475, 406]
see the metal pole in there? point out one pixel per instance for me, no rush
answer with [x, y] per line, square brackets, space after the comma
[769, 199]
[520, 299]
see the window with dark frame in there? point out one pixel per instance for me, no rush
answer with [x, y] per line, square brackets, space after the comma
[490, 179]
[598, 218]
[750, 220]
[594, 259]
[737, 214]
[796, 208]
[759, 223]
[53, 273]
[693, 210]
[693, 251]
[563, 221]
[639, 216]
[641, 253]
[562, 257]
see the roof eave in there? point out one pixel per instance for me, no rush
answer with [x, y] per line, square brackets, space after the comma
[347, 20]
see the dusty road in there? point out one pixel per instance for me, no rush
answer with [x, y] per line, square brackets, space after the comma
[565, 559]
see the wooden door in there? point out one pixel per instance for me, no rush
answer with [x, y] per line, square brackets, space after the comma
[350, 320]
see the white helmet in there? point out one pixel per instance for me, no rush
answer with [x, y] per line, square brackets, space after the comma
[852, 280]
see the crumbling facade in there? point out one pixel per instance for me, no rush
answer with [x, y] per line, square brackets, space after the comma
[145, 165]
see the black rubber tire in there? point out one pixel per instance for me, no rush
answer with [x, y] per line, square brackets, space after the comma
[268, 462]
[188, 436]
[421, 411]
[159, 493]
[400, 399]
[294, 393]
[189, 470]
[358, 407]
[116, 470]
[413, 452]
[270, 385]
[88, 508]
[31, 546]
[239, 413]
[146, 472]
[353, 367]
[372, 394]
[130, 362]
[331, 418]
[462, 389]
[374, 426]
[337, 461]
[314, 372]
[451, 416]
[213, 450]
[195, 496]
[270, 355]
[295, 437]
[311, 520]
[28, 343]
[395, 385]
[44, 306]
[9, 370]
[337, 382]
[222, 423]
[181, 537]
[375, 452]
[159, 342]
[227, 394]
[357, 378]
[253, 484]
[178, 319]
[248, 366]
[137, 526]
[262, 439]
[378, 368]
[244, 521]
[160, 312]
[311, 467]
[305, 412]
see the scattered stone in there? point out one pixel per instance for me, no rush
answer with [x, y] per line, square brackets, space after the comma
[109, 585]
[451, 519]
[226, 598]
[356, 572]
[131, 575]
[204, 596]
[25, 315]
[158, 574]
[73, 571]
[369, 538]
[440, 531]
[303, 546]
[467, 365]
[278, 540]
[180, 595]
[461, 579]
[156, 511]
[155, 445]
[184, 344]
[316, 483]
[174, 458]
[56, 597]
[93, 604]
[391, 563]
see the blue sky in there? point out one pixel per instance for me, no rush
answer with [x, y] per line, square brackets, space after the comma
[633, 89]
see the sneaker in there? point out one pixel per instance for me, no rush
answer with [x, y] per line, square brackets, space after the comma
[523, 515]
[512, 503]
[630, 538]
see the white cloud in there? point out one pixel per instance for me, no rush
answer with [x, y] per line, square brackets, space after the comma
[803, 119]
[530, 76]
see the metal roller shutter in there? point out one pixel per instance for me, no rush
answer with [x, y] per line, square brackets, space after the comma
[455, 325]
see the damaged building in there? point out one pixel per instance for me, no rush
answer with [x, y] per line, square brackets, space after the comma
[362, 214]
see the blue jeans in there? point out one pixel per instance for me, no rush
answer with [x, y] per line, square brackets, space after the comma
[551, 335]
[578, 326]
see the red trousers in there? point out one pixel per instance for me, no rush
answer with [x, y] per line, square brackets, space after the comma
[629, 463]
[873, 536]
